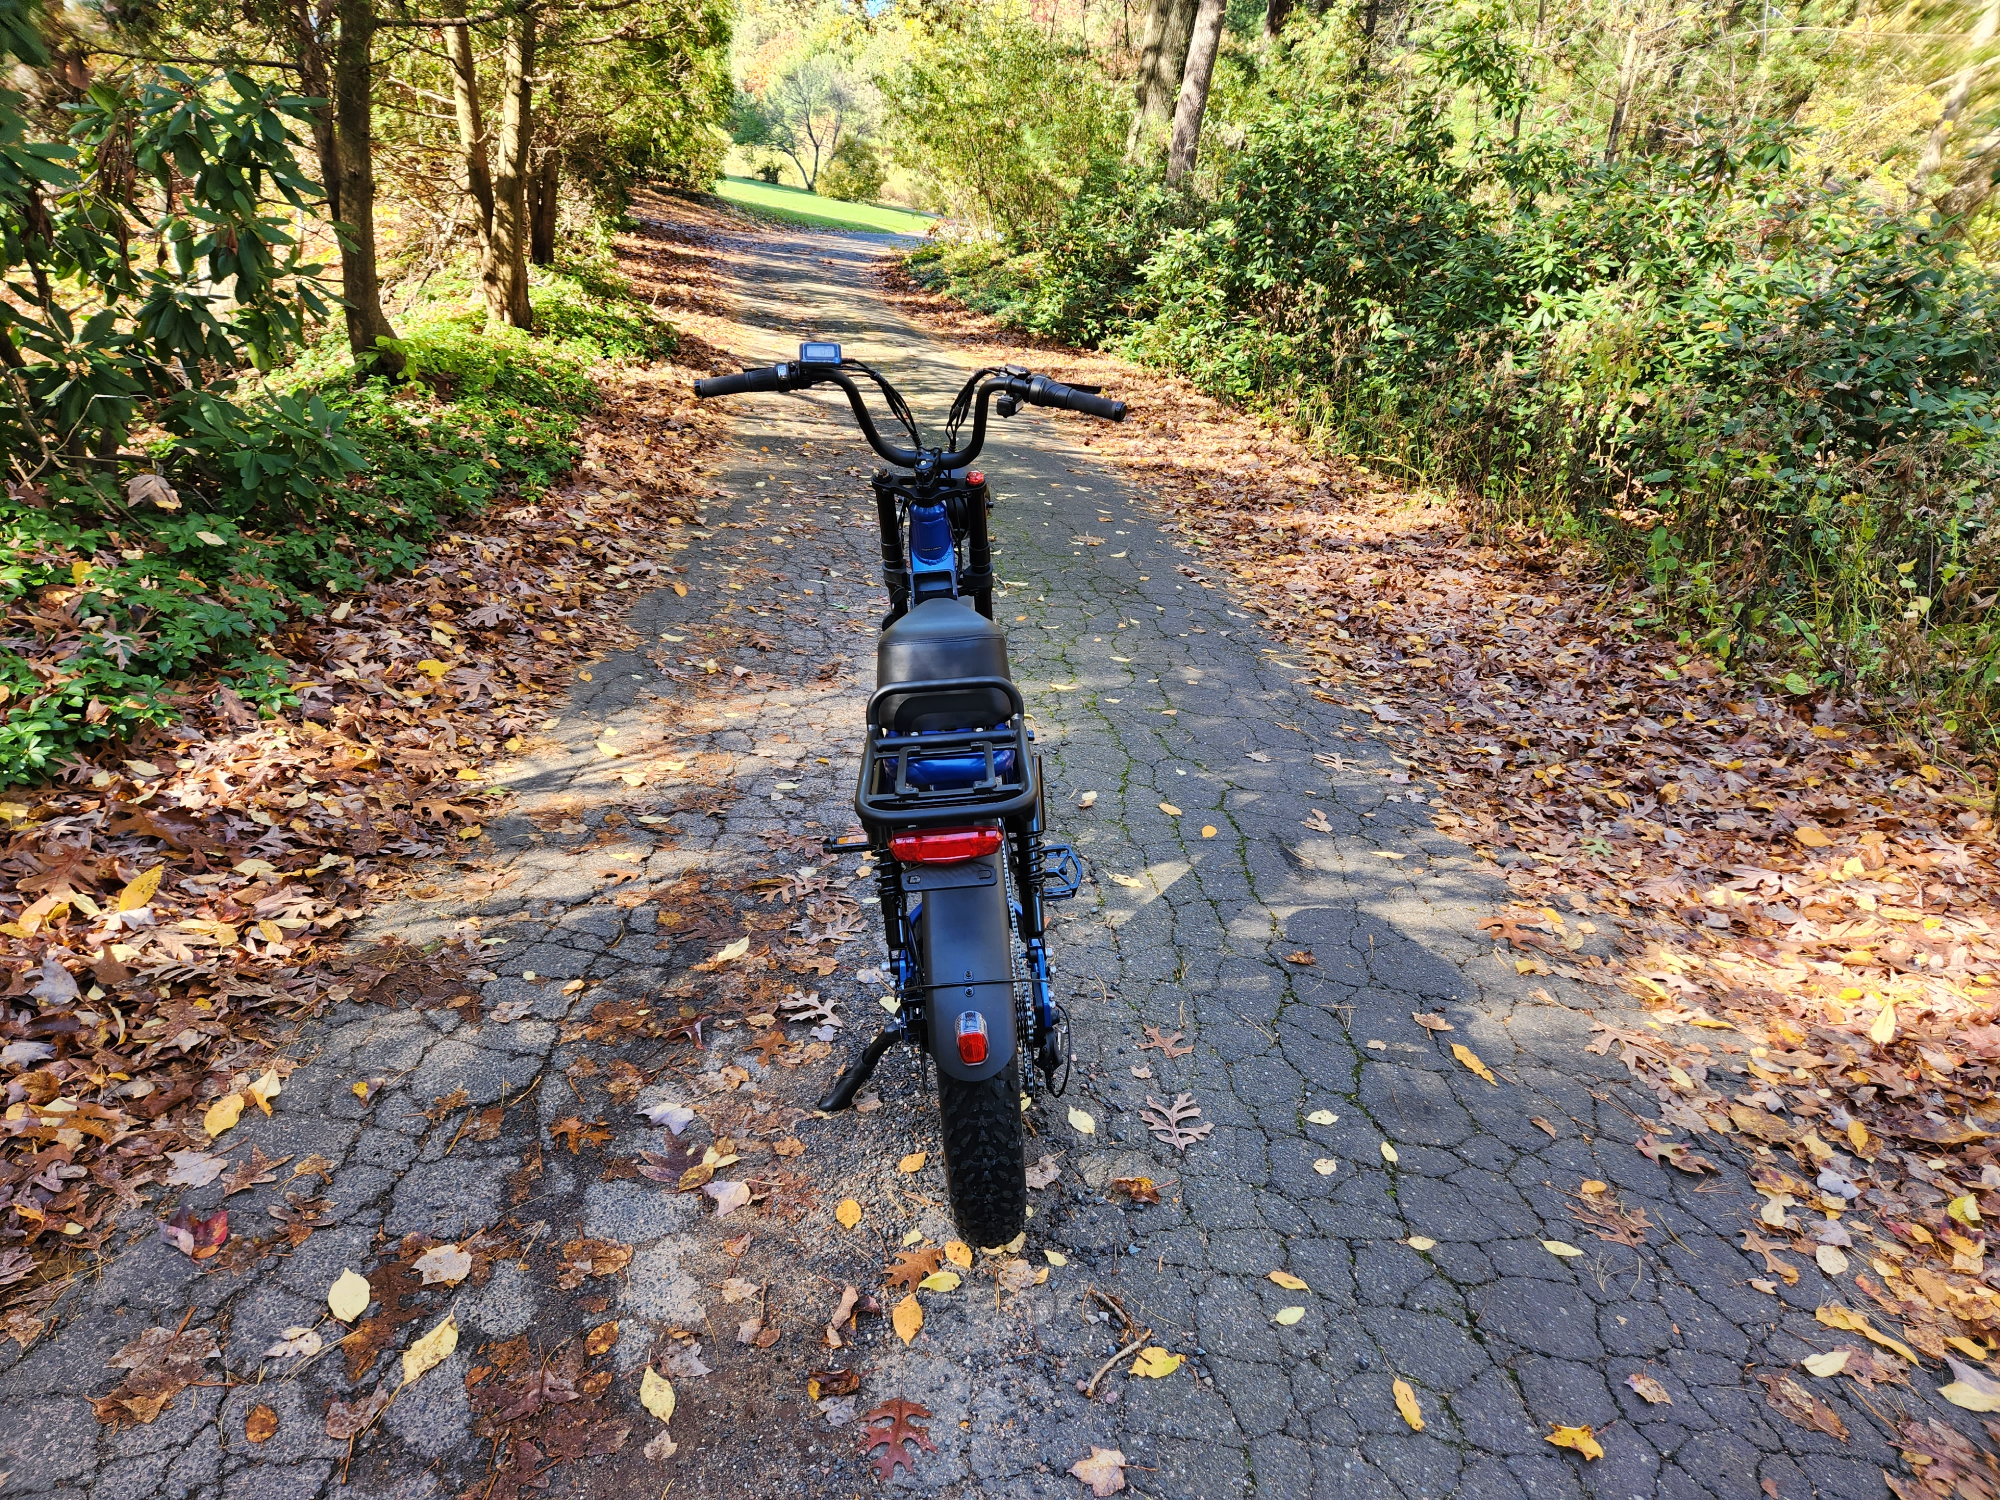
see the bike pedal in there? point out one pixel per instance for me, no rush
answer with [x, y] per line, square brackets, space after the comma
[1062, 872]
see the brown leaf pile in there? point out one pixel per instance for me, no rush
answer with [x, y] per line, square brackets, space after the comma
[166, 909]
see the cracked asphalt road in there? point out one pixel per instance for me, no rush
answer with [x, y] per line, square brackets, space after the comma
[1148, 688]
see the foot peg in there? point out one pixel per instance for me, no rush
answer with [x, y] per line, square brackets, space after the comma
[858, 1072]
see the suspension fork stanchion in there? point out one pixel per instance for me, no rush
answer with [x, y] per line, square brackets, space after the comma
[895, 568]
[979, 551]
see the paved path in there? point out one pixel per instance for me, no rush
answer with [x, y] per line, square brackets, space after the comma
[1147, 687]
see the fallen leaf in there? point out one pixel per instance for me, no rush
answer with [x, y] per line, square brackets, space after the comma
[265, 1089]
[1432, 1022]
[194, 1168]
[914, 1162]
[848, 1213]
[1138, 1189]
[1208, 830]
[1170, 810]
[1406, 1403]
[260, 1424]
[1649, 1389]
[1288, 1281]
[1322, 1117]
[1173, 1123]
[296, 1340]
[1156, 1364]
[1849, 1321]
[1830, 1363]
[656, 1394]
[222, 1115]
[346, 1420]
[1055, 1258]
[1882, 1030]
[1045, 1171]
[1579, 1438]
[1799, 1405]
[1558, 1247]
[1388, 1152]
[1542, 1125]
[1287, 1316]
[1471, 1060]
[140, 890]
[736, 1289]
[1830, 1260]
[1971, 1390]
[1103, 1471]
[349, 1297]
[443, 1263]
[1087, 799]
[1325, 1166]
[1081, 1122]
[600, 1339]
[908, 1318]
[732, 951]
[958, 1253]
[940, 1281]
[432, 1349]
[728, 1195]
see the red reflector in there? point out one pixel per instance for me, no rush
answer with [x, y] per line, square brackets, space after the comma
[975, 478]
[944, 846]
[971, 1037]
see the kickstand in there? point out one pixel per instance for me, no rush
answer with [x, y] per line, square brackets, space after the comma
[858, 1072]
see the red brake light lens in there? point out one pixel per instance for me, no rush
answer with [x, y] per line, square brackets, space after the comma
[944, 846]
[971, 1029]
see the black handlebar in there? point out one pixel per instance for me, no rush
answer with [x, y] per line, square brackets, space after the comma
[771, 379]
[1037, 390]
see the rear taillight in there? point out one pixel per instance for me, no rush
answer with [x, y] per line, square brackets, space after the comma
[971, 1037]
[944, 846]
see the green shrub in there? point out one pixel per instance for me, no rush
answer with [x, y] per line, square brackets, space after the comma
[856, 173]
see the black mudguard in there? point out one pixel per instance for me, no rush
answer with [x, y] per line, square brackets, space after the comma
[966, 950]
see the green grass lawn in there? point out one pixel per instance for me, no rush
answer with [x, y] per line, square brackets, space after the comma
[801, 207]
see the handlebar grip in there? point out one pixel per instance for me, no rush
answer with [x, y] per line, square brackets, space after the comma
[1054, 393]
[770, 378]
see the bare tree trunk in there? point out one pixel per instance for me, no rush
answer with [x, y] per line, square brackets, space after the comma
[308, 22]
[353, 112]
[505, 272]
[1628, 72]
[1276, 13]
[1158, 82]
[472, 142]
[1202, 47]
[542, 208]
[1954, 102]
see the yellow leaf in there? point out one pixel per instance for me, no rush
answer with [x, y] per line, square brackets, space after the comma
[1558, 1247]
[1882, 1030]
[433, 667]
[1208, 830]
[1055, 1258]
[1857, 1135]
[1471, 1059]
[1970, 1397]
[1287, 1316]
[1812, 838]
[656, 1394]
[222, 1114]
[1388, 1152]
[348, 1298]
[849, 1213]
[1081, 1122]
[914, 1237]
[1965, 1209]
[1849, 1321]
[958, 1253]
[1579, 1438]
[1406, 1403]
[681, 589]
[940, 1281]
[1288, 1281]
[1170, 810]
[1966, 1346]
[1421, 1242]
[1321, 1117]
[734, 950]
[470, 831]
[908, 1318]
[1830, 1363]
[265, 1089]
[1156, 1363]
[914, 1162]
[361, 1091]
[432, 1349]
[1325, 1166]
[1593, 1187]
[139, 891]
[210, 537]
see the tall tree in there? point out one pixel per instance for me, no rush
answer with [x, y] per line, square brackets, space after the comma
[505, 271]
[472, 142]
[1160, 64]
[1203, 43]
[353, 184]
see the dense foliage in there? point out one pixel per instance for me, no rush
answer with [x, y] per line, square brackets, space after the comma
[1765, 389]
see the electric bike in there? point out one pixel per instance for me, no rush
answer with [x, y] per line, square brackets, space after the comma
[949, 793]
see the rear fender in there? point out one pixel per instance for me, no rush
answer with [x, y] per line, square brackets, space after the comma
[967, 959]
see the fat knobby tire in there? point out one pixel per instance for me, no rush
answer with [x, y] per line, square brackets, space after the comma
[984, 1162]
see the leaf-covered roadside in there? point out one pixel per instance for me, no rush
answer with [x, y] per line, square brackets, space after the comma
[1805, 902]
[168, 911]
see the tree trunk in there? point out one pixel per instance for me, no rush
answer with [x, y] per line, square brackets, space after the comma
[1628, 71]
[472, 143]
[308, 24]
[505, 272]
[542, 208]
[1932, 161]
[1159, 75]
[1276, 13]
[1202, 47]
[353, 116]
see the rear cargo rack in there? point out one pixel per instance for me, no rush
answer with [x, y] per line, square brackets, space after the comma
[890, 790]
